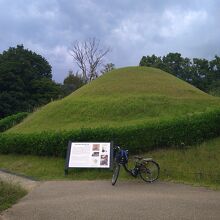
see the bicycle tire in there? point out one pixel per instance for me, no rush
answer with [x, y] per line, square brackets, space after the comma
[149, 171]
[116, 170]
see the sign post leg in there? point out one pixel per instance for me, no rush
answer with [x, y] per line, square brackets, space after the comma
[66, 172]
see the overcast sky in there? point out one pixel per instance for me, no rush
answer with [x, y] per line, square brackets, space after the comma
[131, 28]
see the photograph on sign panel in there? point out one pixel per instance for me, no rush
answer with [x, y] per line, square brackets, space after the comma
[95, 161]
[95, 154]
[95, 147]
[104, 160]
[104, 149]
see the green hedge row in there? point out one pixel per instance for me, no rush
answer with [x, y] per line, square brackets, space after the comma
[175, 132]
[12, 120]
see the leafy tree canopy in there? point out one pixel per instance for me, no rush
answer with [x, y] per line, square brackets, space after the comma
[25, 81]
[72, 82]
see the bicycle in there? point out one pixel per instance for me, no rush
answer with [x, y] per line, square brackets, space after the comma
[147, 168]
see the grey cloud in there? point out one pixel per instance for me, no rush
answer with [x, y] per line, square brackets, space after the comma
[131, 28]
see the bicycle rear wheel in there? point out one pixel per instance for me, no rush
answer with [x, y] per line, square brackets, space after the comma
[149, 171]
[116, 170]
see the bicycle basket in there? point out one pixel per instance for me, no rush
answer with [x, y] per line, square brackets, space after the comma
[122, 157]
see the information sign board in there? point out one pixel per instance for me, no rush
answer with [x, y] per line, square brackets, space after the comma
[89, 155]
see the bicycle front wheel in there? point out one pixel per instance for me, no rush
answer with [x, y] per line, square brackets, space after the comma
[149, 171]
[116, 170]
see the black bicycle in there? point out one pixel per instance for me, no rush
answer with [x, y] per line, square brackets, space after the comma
[147, 168]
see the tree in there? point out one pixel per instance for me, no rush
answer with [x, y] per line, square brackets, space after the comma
[25, 81]
[215, 68]
[72, 82]
[88, 55]
[151, 61]
[107, 68]
[173, 63]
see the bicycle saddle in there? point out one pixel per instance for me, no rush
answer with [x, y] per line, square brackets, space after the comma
[138, 157]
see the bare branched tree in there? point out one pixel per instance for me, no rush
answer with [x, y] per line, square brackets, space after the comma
[89, 55]
[107, 68]
[79, 55]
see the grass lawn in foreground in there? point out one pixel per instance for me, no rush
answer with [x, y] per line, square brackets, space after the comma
[47, 168]
[197, 165]
[9, 194]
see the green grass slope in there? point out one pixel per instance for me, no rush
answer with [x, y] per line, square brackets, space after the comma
[126, 96]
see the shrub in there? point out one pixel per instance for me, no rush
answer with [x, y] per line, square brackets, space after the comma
[188, 130]
[12, 120]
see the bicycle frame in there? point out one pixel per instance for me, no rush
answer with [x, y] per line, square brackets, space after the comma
[134, 172]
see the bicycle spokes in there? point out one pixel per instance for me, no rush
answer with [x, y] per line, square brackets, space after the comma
[149, 171]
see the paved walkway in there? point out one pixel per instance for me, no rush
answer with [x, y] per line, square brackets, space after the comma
[126, 200]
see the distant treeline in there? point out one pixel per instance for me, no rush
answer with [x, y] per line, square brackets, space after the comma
[201, 73]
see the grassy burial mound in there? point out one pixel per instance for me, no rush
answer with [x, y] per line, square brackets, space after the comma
[123, 97]
[136, 107]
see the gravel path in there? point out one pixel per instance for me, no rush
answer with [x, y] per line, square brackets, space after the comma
[126, 200]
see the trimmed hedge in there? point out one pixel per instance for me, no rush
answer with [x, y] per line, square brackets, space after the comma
[188, 130]
[12, 120]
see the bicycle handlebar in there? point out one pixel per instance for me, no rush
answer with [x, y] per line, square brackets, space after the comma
[116, 147]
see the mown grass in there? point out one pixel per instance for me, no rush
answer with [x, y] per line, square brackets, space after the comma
[10, 194]
[197, 165]
[48, 168]
[123, 97]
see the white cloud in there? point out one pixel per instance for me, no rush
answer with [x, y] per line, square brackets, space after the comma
[131, 28]
[177, 22]
[57, 56]
[128, 30]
